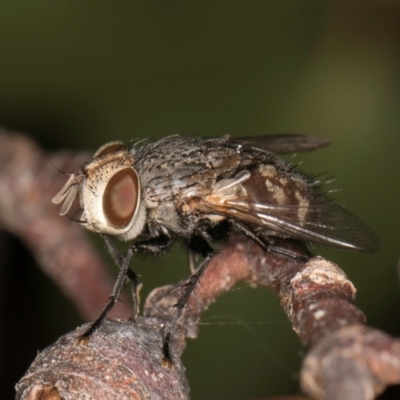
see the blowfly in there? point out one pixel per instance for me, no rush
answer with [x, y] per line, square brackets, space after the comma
[199, 190]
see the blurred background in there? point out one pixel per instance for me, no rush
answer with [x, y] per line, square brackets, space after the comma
[77, 74]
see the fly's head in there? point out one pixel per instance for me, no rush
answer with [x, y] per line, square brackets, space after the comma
[109, 193]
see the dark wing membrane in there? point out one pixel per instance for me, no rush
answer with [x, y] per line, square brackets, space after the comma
[325, 223]
[283, 143]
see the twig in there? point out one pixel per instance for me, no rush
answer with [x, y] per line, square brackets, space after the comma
[120, 362]
[347, 360]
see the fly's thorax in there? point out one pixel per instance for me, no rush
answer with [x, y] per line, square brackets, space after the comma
[109, 191]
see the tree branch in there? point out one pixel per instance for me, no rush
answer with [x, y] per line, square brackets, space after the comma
[347, 360]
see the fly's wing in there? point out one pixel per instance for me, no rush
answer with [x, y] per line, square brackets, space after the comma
[306, 215]
[283, 143]
[327, 224]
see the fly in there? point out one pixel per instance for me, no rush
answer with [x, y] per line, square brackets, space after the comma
[197, 190]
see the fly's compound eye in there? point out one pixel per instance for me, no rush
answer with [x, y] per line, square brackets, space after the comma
[109, 193]
[121, 198]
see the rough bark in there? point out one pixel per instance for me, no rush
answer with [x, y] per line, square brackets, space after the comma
[347, 360]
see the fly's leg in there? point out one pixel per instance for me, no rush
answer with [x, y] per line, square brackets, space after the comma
[192, 265]
[198, 245]
[268, 247]
[135, 290]
[133, 278]
[123, 269]
[155, 245]
[288, 253]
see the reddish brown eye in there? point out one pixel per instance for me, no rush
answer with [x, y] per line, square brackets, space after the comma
[109, 148]
[120, 198]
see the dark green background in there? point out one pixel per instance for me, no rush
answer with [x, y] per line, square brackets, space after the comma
[77, 74]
